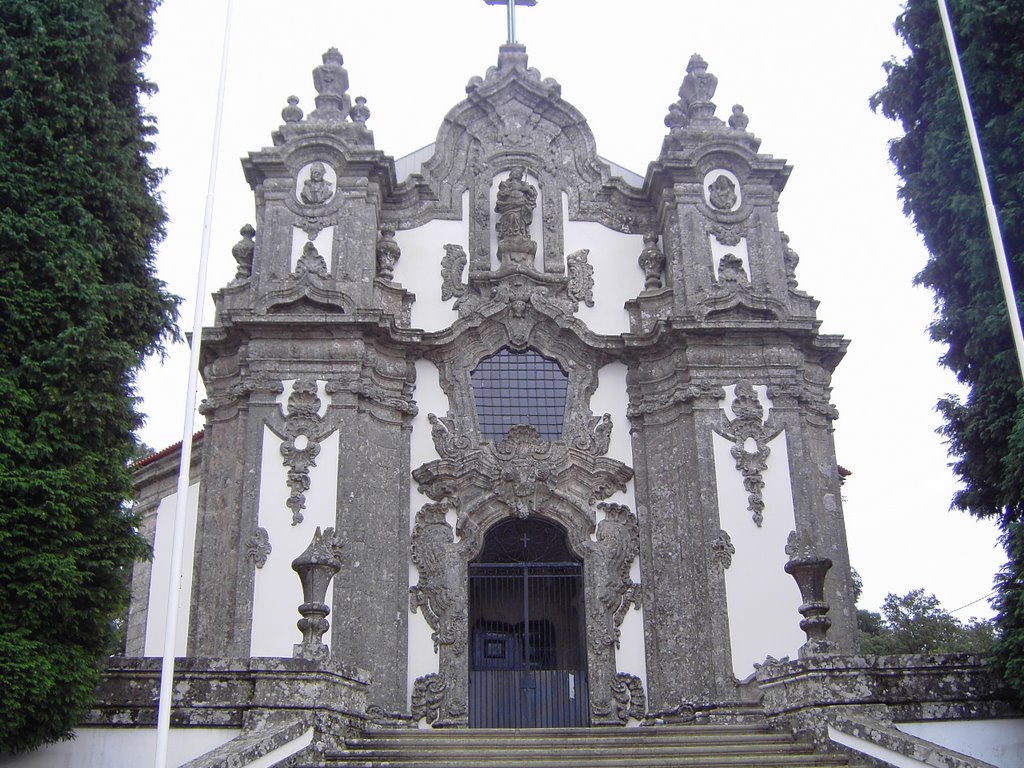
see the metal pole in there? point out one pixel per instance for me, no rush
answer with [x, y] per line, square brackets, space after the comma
[511, 22]
[986, 191]
[181, 507]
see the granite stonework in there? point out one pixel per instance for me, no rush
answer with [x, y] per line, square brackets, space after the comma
[313, 340]
[866, 696]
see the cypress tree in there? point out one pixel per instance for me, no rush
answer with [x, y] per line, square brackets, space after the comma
[80, 308]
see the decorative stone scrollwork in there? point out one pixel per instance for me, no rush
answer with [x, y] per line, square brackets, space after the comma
[301, 446]
[447, 442]
[430, 700]
[581, 277]
[593, 434]
[310, 262]
[259, 548]
[790, 259]
[240, 391]
[242, 251]
[388, 252]
[722, 550]
[628, 698]
[728, 235]
[452, 266]
[731, 274]
[652, 262]
[524, 457]
[366, 388]
[685, 393]
[432, 539]
[749, 428]
[618, 544]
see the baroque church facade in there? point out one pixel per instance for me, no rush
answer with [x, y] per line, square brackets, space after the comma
[503, 435]
[653, 435]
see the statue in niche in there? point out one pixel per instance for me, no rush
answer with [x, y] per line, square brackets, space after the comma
[516, 200]
[722, 193]
[316, 189]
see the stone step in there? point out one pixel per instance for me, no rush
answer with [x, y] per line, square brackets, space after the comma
[724, 746]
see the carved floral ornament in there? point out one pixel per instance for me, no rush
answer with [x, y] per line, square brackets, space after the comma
[750, 433]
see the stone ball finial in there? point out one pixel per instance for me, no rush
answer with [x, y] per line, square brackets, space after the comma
[292, 113]
[738, 119]
[360, 112]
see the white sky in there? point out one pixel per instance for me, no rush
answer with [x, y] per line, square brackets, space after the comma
[803, 70]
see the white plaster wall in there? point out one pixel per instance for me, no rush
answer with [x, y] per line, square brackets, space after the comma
[156, 613]
[121, 748]
[762, 598]
[430, 398]
[617, 276]
[1000, 742]
[419, 268]
[610, 397]
[277, 592]
[536, 226]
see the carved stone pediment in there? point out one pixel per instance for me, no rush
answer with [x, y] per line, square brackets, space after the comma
[522, 473]
[305, 294]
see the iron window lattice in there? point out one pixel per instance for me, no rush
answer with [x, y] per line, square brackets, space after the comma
[511, 388]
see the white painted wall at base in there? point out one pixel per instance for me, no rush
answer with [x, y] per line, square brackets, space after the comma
[277, 589]
[1000, 742]
[762, 598]
[156, 611]
[610, 397]
[122, 748]
[430, 398]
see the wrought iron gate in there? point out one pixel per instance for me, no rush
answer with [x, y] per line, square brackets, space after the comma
[527, 660]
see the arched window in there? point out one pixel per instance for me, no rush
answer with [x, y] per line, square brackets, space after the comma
[511, 388]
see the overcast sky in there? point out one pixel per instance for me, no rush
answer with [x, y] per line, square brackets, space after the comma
[802, 69]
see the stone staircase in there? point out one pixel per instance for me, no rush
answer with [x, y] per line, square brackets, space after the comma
[665, 746]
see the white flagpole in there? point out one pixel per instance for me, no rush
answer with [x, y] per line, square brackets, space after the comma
[986, 191]
[181, 508]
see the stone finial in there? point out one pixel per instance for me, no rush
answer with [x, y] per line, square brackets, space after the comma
[316, 567]
[651, 261]
[388, 252]
[360, 113]
[243, 251]
[738, 119]
[790, 260]
[697, 90]
[808, 569]
[292, 113]
[331, 82]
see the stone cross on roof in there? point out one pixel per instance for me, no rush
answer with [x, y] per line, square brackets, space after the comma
[511, 14]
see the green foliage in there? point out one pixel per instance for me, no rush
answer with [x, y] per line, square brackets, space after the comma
[941, 193]
[916, 623]
[79, 310]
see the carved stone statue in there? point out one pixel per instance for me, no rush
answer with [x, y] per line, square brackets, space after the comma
[698, 86]
[722, 193]
[516, 200]
[316, 189]
[331, 82]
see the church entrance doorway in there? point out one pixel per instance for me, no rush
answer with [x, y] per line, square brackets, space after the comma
[528, 664]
